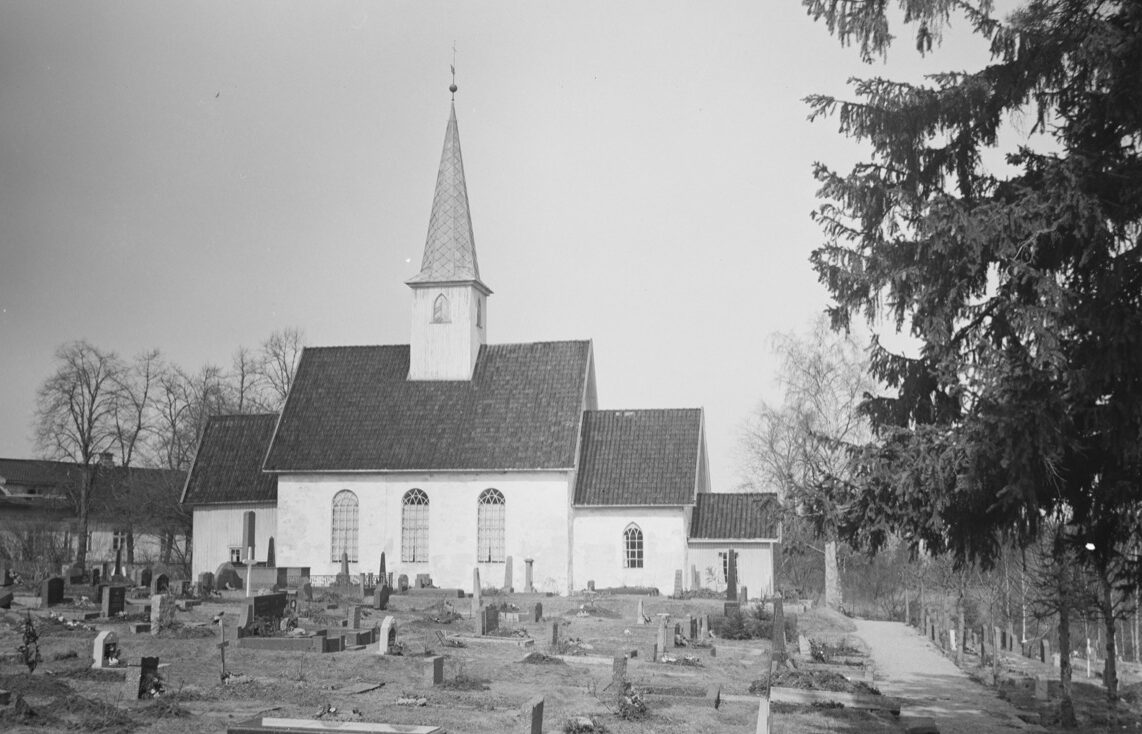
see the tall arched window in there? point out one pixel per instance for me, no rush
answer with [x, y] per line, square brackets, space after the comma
[414, 527]
[479, 312]
[440, 310]
[632, 547]
[490, 527]
[344, 537]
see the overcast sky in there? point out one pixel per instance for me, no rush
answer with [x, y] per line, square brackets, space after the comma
[192, 176]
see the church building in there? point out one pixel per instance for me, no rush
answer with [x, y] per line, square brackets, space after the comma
[449, 453]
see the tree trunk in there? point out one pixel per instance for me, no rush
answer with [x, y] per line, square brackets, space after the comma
[1110, 671]
[1066, 705]
[1137, 658]
[84, 506]
[832, 576]
[130, 545]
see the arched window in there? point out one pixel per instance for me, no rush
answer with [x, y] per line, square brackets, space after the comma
[490, 527]
[632, 547]
[480, 312]
[440, 310]
[414, 527]
[344, 525]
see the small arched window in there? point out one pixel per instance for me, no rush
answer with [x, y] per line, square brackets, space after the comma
[440, 310]
[490, 527]
[344, 526]
[632, 547]
[480, 312]
[414, 527]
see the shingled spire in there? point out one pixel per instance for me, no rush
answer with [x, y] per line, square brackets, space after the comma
[449, 304]
[450, 248]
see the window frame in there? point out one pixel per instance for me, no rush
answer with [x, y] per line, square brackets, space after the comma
[634, 547]
[441, 309]
[349, 540]
[414, 526]
[491, 527]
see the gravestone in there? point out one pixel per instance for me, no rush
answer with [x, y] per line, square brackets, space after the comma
[402, 583]
[489, 620]
[660, 636]
[5, 575]
[118, 562]
[384, 574]
[703, 626]
[695, 579]
[555, 633]
[381, 597]
[356, 618]
[731, 575]
[387, 639]
[1055, 659]
[249, 524]
[160, 584]
[641, 613]
[51, 591]
[778, 635]
[162, 612]
[475, 591]
[509, 580]
[143, 681]
[5, 599]
[537, 611]
[678, 584]
[74, 574]
[691, 627]
[743, 597]
[619, 675]
[533, 715]
[528, 586]
[803, 646]
[423, 581]
[105, 651]
[271, 557]
[591, 585]
[1044, 650]
[264, 612]
[206, 582]
[114, 601]
[145, 577]
[343, 575]
[306, 589]
[1010, 637]
[96, 576]
[434, 671]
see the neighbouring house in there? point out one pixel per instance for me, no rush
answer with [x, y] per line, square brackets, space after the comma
[132, 509]
[449, 453]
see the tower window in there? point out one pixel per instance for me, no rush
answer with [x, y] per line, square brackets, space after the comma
[490, 527]
[344, 538]
[632, 547]
[414, 527]
[440, 310]
[480, 312]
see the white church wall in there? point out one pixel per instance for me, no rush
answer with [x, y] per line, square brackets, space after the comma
[535, 525]
[218, 528]
[599, 549]
[446, 350]
[755, 564]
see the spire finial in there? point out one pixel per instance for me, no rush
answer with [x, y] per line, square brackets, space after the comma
[452, 87]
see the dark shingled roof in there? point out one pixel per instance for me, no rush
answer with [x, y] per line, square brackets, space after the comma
[228, 465]
[639, 457]
[353, 408]
[735, 516]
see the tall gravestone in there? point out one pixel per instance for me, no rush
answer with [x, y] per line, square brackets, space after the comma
[678, 584]
[641, 613]
[528, 586]
[271, 557]
[732, 575]
[384, 577]
[778, 636]
[381, 597]
[51, 591]
[475, 591]
[695, 579]
[118, 561]
[114, 601]
[249, 539]
[508, 580]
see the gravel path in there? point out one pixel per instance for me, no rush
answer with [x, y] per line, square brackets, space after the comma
[909, 667]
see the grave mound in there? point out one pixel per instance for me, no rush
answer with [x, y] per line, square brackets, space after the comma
[812, 680]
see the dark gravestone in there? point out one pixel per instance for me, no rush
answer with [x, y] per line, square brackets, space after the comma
[75, 574]
[423, 581]
[381, 597]
[271, 558]
[114, 600]
[145, 577]
[160, 584]
[732, 575]
[778, 635]
[306, 589]
[5, 575]
[678, 584]
[227, 577]
[206, 582]
[383, 572]
[538, 611]
[402, 583]
[51, 591]
[489, 620]
[5, 599]
[118, 562]
[96, 577]
[144, 681]
[249, 523]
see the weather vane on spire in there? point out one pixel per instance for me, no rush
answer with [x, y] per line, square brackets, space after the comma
[452, 87]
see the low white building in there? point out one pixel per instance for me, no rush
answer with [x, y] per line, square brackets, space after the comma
[449, 454]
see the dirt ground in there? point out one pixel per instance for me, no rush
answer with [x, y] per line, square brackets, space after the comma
[486, 683]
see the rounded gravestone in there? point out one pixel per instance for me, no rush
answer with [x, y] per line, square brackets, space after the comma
[227, 577]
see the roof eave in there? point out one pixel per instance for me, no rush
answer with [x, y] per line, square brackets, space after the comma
[474, 282]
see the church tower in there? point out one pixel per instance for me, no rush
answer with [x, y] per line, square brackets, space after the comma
[449, 301]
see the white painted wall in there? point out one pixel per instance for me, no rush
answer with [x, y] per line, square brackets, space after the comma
[446, 351]
[219, 527]
[755, 564]
[536, 524]
[599, 550]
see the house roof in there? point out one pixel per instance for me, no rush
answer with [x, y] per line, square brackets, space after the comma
[450, 248]
[228, 465]
[735, 516]
[639, 457]
[354, 409]
[20, 475]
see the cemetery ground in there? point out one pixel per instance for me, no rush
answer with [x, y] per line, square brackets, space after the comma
[487, 681]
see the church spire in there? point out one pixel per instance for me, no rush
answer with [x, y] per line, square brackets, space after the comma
[450, 248]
